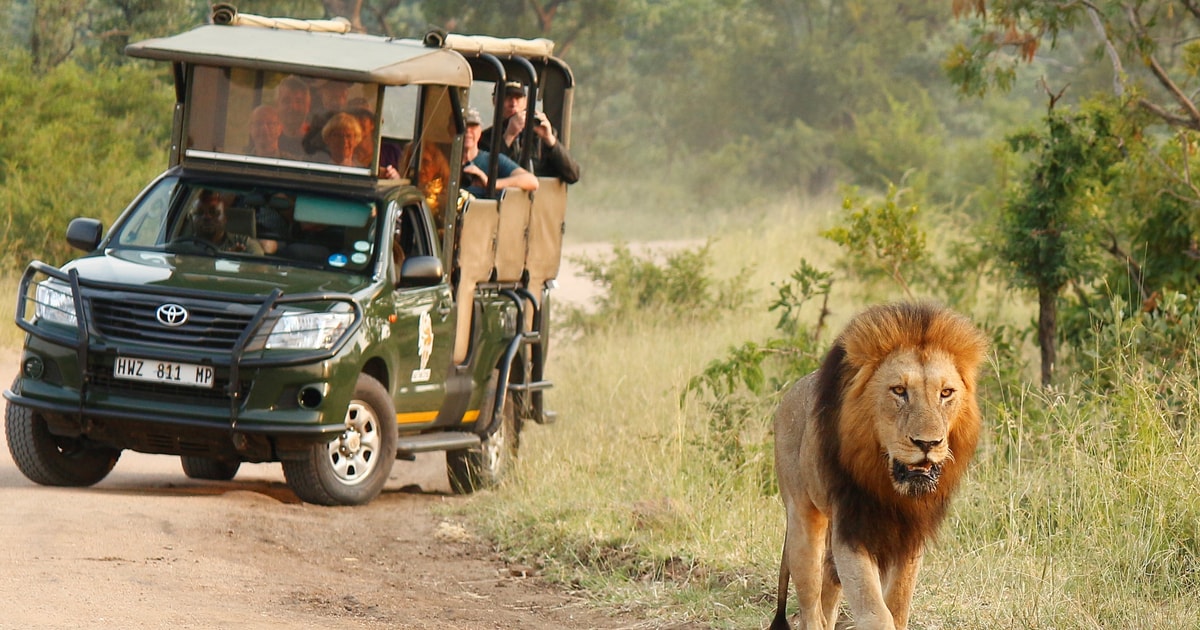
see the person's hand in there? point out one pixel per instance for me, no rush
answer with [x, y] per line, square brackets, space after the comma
[477, 173]
[514, 127]
[544, 130]
[389, 172]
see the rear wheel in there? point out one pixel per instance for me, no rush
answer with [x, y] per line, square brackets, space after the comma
[209, 468]
[474, 469]
[53, 460]
[352, 469]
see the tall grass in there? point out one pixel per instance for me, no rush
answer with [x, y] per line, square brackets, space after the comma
[10, 335]
[1080, 511]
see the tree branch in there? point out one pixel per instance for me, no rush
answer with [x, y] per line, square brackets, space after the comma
[1192, 7]
[1113, 57]
[1184, 102]
[1174, 120]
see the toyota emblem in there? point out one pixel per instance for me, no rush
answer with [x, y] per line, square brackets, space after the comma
[172, 315]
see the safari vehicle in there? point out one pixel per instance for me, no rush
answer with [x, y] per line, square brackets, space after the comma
[353, 321]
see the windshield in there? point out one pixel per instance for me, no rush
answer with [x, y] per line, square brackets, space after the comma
[262, 117]
[223, 220]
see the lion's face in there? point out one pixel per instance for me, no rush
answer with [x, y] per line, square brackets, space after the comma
[916, 400]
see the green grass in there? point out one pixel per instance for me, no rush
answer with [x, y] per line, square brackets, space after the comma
[1080, 511]
[10, 335]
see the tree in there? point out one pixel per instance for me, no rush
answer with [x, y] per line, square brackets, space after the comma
[1158, 36]
[1050, 232]
[881, 239]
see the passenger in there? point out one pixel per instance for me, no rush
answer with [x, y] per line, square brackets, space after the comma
[332, 98]
[208, 223]
[550, 157]
[293, 100]
[265, 129]
[274, 222]
[432, 176]
[477, 162]
[342, 135]
[364, 154]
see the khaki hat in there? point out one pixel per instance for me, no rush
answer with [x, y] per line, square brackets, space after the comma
[472, 117]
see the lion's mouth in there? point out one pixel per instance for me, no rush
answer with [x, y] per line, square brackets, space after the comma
[916, 479]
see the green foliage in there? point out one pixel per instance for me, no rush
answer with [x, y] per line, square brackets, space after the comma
[1051, 225]
[881, 239]
[739, 392]
[634, 287]
[73, 143]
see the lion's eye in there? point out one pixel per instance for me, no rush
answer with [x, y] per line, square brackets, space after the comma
[947, 392]
[899, 390]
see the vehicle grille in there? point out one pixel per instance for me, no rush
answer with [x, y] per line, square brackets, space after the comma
[210, 326]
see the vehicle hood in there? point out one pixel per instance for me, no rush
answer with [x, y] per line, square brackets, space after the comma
[242, 276]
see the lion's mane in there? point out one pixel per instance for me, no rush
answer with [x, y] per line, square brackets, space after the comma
[869, 511]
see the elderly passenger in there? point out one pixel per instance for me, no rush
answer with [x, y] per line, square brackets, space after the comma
[342, 135]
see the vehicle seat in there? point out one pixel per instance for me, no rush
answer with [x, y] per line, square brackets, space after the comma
[240, 220]
[512, 234]
[546, 225]
[477, 257]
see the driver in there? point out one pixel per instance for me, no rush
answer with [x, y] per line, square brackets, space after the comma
[208, 224]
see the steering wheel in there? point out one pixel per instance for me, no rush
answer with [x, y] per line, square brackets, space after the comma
[192, 245]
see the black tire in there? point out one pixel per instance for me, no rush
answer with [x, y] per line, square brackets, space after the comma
[208, 468]
[52, 460]
[475, 469]
[352, 469]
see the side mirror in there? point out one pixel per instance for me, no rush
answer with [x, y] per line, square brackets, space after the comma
[420, 271]
[84, 234]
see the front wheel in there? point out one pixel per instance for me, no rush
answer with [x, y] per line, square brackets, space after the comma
[53, 460]
[474, 469]
[352, 469]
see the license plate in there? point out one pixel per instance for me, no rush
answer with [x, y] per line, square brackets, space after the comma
[188, 374]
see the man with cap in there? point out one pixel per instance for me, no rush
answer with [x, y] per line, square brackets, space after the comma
[550, 157]
[477, 163]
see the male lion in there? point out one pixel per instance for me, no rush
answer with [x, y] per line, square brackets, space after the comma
[868, 450]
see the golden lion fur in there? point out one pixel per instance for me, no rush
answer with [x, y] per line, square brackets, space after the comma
[868, 451]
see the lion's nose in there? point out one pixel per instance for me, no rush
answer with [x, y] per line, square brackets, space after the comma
[925, 445]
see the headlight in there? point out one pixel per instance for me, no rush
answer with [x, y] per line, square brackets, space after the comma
[52, 302]
[308, 331]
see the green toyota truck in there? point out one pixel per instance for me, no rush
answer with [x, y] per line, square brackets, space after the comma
[275, 296]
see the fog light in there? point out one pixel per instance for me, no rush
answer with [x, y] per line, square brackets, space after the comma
[310, 397]
[33, 367]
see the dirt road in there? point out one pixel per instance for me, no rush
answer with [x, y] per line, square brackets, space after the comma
[150, 548]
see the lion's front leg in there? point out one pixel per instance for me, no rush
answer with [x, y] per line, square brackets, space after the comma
[862, 585]
[900, 581]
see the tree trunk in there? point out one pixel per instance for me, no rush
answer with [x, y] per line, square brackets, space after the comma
[54, 31]
[1047, 324]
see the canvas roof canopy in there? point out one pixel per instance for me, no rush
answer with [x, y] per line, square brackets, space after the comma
[348, 57]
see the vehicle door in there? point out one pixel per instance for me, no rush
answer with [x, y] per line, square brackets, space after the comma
[422, 322]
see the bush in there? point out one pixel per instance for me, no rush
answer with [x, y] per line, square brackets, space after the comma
[633, 288]
[73, 143]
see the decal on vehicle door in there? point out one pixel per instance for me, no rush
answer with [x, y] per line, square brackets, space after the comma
[424, 348]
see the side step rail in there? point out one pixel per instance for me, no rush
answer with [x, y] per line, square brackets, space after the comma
[408, 446]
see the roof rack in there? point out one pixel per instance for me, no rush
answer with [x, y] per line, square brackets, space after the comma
[499, 46]
[226, 14]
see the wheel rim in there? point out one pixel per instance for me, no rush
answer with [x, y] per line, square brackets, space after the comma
[353, 455]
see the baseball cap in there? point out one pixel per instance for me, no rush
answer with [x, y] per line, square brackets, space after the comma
[472, 117]
[514, 86]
